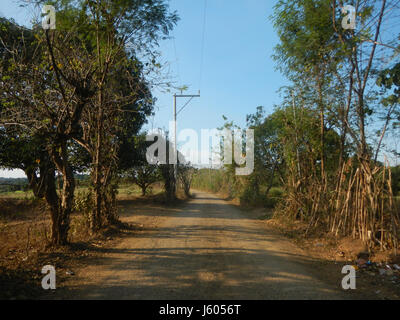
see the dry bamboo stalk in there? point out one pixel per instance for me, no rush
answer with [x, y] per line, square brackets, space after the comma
[392, 217]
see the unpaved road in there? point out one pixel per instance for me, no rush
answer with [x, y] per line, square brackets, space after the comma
[206, 249]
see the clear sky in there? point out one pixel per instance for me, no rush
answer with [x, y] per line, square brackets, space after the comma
[237, 74]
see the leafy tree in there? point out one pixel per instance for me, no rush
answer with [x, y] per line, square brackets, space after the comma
[389, 80]
[47, 103]
[332, 74]
[141, 172]
[307, 49]
[268, 152]
[19, 150]
[186, 174]
[167, 172]
[50, 86]
[144, 176]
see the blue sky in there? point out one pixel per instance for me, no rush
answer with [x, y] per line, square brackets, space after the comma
[238, 73]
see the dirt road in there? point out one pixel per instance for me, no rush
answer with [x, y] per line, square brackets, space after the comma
[206, 249]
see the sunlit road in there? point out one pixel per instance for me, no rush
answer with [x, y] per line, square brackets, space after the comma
[206, 249]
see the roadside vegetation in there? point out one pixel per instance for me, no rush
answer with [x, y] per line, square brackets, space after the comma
[74, 101]
[321, 156]
[73, 104]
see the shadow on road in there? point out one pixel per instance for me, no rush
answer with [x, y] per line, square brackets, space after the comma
[204, 249]
[202, 273]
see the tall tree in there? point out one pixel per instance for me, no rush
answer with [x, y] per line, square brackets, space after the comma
[306, 50]
[46, 99]
[49, 87]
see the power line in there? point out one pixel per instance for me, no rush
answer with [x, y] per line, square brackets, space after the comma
[175, 51]
[176, 58]
[191, 98]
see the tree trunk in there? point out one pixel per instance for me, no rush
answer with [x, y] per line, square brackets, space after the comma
[110, 205]
[95, 214]
[60, 208]
[95, 217]
[144, 190]
[36, 183]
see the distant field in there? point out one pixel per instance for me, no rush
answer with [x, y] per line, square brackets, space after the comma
[17, 194]
[124, 190]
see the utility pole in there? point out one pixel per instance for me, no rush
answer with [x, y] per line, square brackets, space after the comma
[191, 96]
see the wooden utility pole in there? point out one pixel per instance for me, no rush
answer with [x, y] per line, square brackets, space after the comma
[191, 96]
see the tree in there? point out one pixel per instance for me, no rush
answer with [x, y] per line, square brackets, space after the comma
[389, 80]
[140, 171]
[268, 151]
[47, 103]
[167, 173]
[19, 150]
[307, 49]
[124, 100]
[50, 85]
[186, 174]
[331, 70]
[144, 176]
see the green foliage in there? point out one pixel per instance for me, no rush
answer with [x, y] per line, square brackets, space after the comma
[212, 180]
[144, 176]
[306, 35]
[78, 96]
[83, 203]
[275, 196]
[389, 81]
[396, 180]
[186, 174]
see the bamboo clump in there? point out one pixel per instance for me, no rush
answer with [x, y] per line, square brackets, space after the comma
[361, 204]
